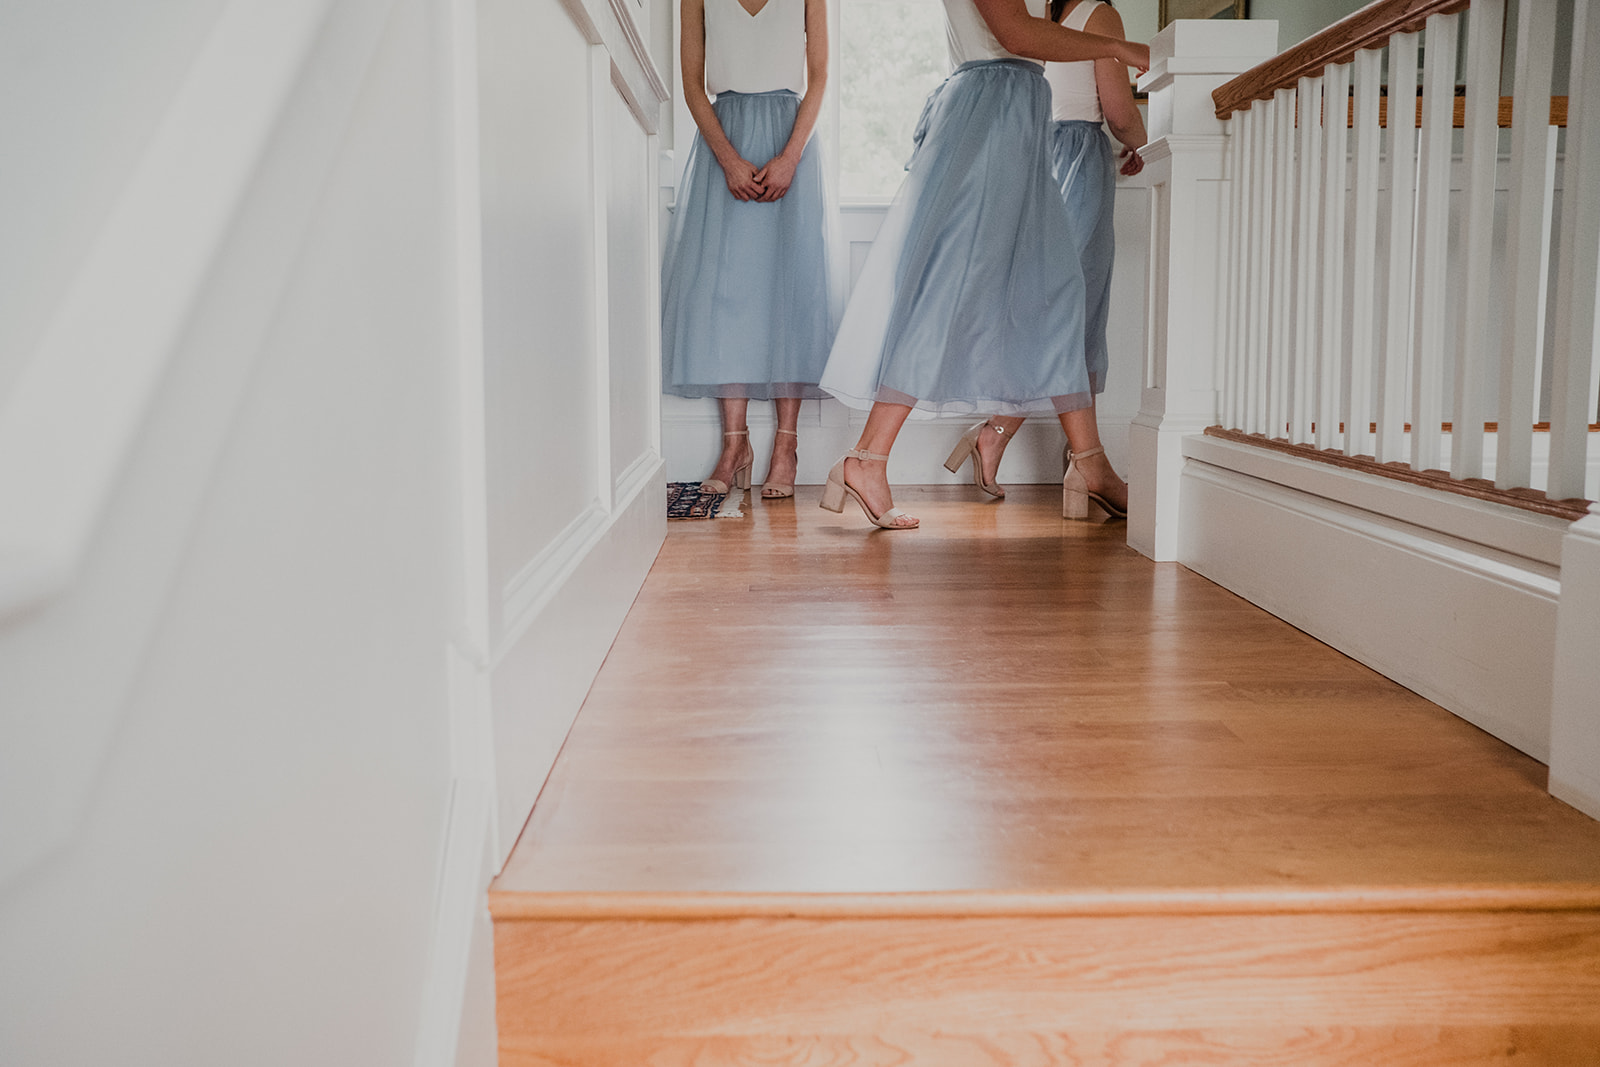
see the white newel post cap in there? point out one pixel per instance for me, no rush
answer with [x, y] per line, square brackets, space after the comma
[1192, 57]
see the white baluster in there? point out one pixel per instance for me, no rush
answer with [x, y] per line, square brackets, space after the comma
[1308, 259]
[1527, 242]
[1401, 169]
[1336, 140]
[1433, 242]
[1485, 30]
[1260, 264]
[1283, 197]
[1360, 411]
[1575, 366]
[1238, 270]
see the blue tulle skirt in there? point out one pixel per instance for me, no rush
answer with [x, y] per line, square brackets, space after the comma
[1085, 171]
[751, 292]
[971, 299]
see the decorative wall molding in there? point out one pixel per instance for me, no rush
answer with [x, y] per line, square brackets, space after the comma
[533, 587]
[614, 24]
[537, 583]
[637, 476]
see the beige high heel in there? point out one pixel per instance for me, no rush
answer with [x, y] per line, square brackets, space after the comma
[1080, 502]
[777, 490]
[967, 448]
[834, 492]
[741, 474]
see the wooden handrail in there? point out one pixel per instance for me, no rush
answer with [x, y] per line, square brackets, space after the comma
[1558, 112]
[1370, 27]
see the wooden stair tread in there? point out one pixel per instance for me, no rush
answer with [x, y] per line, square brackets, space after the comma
[510, 906]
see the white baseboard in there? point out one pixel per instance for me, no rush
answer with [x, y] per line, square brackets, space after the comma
[564, 610]
[1470, 627]
[691, 435]
[1579, 791]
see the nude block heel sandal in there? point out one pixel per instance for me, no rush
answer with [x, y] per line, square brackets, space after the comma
[833, 493]
[1080, 502]
[777, 490]
[741, 475]
[967, 448]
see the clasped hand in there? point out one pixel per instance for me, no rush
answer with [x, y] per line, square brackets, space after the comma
[769, 183]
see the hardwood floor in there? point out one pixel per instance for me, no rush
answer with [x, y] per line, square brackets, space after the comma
[1000, 790]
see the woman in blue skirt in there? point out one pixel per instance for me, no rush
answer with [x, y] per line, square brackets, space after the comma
[1084, 95]
[749, 288]
[969, 300]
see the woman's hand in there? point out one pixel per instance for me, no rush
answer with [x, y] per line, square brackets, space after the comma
[741, 176]
[776, 176]
[1132, 161]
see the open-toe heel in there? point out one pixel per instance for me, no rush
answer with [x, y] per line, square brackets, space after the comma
[771, 490]
[741, 474]
[967, 448]
[1080, 502]
[833, 494]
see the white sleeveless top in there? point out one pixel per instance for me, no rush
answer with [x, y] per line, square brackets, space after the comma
[968, 35]
[1073, 92]
[755, 53]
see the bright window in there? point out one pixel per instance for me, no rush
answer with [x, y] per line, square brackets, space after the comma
[892, 54]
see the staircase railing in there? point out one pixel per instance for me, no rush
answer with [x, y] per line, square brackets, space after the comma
[1367, 309]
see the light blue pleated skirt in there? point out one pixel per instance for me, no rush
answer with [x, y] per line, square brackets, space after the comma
[1085, 171]
[971, 299]
[751, 292]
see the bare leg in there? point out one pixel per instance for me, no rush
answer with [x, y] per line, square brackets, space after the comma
[1083, 435]
[785, 460]
[735, 450]
[870, 478]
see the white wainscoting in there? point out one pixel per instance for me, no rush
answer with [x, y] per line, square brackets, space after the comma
[570, 102]
[1452, 598]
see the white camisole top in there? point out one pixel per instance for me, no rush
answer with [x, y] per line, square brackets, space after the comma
[757, 53]
[1073, 92]
[968, 35]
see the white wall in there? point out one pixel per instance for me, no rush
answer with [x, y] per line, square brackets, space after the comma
[390, 481]
[70, 182]
[1299, 19]
[251, 663]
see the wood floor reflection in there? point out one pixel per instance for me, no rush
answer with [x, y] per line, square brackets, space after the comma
[1005, 701]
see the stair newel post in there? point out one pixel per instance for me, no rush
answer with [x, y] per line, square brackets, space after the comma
[1189, 219]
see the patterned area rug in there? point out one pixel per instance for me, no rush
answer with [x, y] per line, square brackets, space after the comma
[685, 501]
